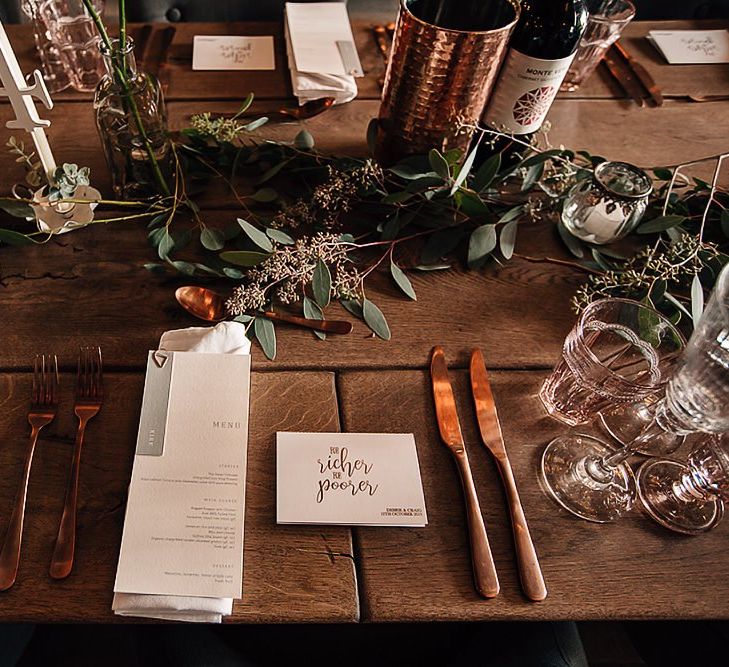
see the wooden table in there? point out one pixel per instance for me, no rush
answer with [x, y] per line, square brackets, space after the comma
[90, 287]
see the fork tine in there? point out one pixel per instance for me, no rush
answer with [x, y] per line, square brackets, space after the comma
[55, 381]
[99, 374]
[36, 380]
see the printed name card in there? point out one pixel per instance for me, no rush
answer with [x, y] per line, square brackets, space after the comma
[692, 47]
[354, 479]
[183, 528]
[227, 52]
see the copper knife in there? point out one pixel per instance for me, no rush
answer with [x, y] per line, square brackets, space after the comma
[642, 73]
[625, 77]
[530, 574]
[484, 569]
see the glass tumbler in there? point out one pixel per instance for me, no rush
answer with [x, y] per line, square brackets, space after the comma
[605, 23]
[54, 71]
[73, 31]
[619, 352]
[608, 206]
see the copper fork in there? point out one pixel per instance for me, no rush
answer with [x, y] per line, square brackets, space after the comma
[43, 408]
[89, 395]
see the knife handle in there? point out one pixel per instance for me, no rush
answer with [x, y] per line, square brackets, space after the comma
[484, 569]
[532, 580]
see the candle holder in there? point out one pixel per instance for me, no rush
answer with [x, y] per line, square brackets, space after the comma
[437, 80]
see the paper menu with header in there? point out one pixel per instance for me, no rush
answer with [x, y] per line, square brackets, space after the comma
[183, 529]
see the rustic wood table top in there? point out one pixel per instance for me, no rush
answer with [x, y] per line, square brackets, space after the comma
[90, 287]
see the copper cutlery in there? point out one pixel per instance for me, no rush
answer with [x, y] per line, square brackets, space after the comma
[382, 36]
[209, 305]
[641, 73]
[530, 574]
[43, 409]
[484, 569]
[632, 76]
[87, 403]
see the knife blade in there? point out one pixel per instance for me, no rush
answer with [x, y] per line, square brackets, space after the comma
[625, 78]
[530, 574]
[484, 569]
[642, 73]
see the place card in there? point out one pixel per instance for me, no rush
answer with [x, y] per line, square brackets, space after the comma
[321, 38]
[183, 528]
[691, 47]
[229, 52]
[353, 479]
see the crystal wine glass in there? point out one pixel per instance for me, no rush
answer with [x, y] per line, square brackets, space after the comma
[593, 482]
[688, 498]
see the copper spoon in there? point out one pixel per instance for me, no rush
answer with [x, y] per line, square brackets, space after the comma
[209, 305]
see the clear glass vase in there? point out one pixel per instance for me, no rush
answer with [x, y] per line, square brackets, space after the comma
[132, 123]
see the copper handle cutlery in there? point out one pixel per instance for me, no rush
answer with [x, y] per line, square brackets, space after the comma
[485, 577]
[43, 410]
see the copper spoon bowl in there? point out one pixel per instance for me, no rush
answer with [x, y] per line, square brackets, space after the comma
[208, 305]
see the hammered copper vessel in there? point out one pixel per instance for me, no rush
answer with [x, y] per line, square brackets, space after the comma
[437, 80]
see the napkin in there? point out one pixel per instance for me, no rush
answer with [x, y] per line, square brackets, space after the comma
[314, 85]
[225, 338]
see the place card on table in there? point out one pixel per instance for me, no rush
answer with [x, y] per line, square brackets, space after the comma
[355, 479]
[691, 47]
[231, 52]
[183, 529]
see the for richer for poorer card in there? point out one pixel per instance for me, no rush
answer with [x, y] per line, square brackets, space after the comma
[366, 479]
[183, 529]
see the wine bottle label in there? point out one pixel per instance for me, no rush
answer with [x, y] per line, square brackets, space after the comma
[524, 92]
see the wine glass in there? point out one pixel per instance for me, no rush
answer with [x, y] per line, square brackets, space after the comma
[688, 498]
[593, 482]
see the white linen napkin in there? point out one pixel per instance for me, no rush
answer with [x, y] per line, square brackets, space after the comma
[311, 86]
[225, 338]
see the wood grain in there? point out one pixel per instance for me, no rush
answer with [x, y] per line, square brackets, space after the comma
[290, 573]
[632, 569]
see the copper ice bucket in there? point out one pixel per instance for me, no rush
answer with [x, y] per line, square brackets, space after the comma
[437, 81]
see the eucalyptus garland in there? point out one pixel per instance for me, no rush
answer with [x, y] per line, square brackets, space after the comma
[312, 228]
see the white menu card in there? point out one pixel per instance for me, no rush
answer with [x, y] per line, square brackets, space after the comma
[692, 47]
[183, 529]
[363, 479]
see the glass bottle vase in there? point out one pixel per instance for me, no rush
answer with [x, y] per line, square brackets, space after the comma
[132, 124]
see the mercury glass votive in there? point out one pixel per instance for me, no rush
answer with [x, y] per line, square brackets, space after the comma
[608, 206]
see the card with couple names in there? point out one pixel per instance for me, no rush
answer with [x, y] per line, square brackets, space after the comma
[692, 47]
[354, 479]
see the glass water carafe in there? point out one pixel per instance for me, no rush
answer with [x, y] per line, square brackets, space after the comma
[132, 123]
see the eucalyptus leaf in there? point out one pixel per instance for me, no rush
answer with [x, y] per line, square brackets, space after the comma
[697, 299]
[9, 237]
[17, 209]
[481, 245]
[540, 158]
[403, 282]
[312, 311]
[574, 245]
[432, 267]
[441, 243]
[270, 173]
[439, 164]
[256, 235]
[321, 284]
[352, 306]
[184, 267]
[660, 224]
[601, 260]
[264, 195]
[507, 238]
[212, 239]
[487, 172]
[243, 319]
[243, 257]
[657, 291]
[280, 237]
[465, 169]
[375, 319]
[255, 124]
[406, 171]
[304, 141]
[155, 268]
[534, 173]
[669, 297]
[246, 104]
[234, 274]
[397, 197]
[266, 335]
[512, 214]
[663, 174]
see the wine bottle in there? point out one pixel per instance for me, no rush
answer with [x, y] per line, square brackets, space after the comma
[540, 52]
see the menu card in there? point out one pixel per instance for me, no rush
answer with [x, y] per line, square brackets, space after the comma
[691, 47]
[355, 479]
[233, 52]
[183, 529]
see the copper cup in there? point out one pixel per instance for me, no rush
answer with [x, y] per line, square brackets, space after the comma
[437, 80]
